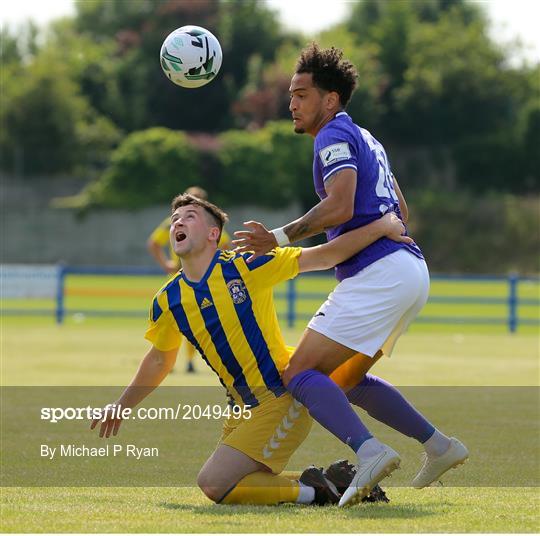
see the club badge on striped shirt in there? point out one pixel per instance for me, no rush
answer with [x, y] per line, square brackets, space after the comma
[237, 290]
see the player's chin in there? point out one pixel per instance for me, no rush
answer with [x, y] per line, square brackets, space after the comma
[299, 130]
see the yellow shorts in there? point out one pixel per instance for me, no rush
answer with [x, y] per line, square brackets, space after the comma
[275, 430]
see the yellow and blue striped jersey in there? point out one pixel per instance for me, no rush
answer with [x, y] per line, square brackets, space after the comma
[230, 317]
[160, 235]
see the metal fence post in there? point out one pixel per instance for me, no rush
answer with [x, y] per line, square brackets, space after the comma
[513, 279]
[291, 302]
[60, 294]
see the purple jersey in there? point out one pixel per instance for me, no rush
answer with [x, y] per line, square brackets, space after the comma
[342, 144]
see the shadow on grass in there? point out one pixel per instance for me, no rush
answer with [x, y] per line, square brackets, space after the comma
[366, 511]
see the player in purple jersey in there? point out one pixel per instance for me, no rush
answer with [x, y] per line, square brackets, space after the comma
[380, 290]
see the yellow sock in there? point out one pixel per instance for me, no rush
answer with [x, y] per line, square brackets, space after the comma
[263, 488]
[291, 475]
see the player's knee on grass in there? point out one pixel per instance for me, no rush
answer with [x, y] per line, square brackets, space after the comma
[215, 491]
[223, 470]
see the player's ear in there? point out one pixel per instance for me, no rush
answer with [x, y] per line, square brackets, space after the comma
[213, 234]
[332, 100]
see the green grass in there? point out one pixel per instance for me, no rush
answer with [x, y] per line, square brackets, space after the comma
[94, 352]
[106, 352]
[151, 510]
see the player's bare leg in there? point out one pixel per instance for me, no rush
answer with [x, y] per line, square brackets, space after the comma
[318, 352]
[223, 470]
[231, 477]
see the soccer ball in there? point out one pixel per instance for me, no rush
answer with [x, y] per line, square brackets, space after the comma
[191, 56]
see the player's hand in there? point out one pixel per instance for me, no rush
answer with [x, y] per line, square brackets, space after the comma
[109, 422]
[395, 228]
[258, 240]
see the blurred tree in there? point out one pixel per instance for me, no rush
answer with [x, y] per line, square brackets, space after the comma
[93, 65]
[530, 142]
[268, 167]
[247, 170]
[244, 28]
[18, 45]
[49, 126]
[293, 161]
[390, 26]
[445, 84]
[466, 233]
[365, 15]
[506, 159]
[137, 30]
[148, 167]
[265, 97]
[247, 28]
[366, 106]
[455, 84]
[394, 28]
[9, 48]
[431, 82]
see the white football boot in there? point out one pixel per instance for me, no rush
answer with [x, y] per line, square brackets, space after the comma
[435, 466]
[369, 473]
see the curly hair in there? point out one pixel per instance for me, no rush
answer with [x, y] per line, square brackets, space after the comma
[329, 70]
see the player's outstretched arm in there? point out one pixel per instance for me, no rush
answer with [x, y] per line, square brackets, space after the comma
[153, 369]
[336, 208]
[346, 245]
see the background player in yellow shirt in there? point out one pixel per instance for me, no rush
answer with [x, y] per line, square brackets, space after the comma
[224, 306]
[160, 248]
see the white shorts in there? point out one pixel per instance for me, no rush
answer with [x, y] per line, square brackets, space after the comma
[369, 311]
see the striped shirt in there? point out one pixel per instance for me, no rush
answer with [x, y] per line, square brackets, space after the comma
[230, 317]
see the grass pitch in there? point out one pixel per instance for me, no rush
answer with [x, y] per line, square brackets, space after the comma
[169, 510]
[92, 352]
